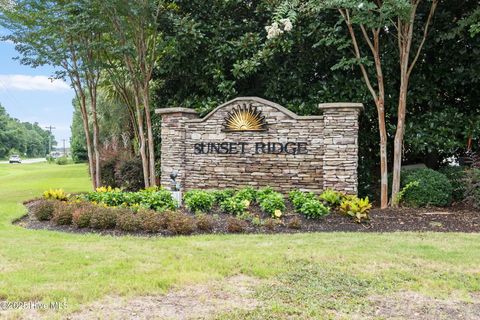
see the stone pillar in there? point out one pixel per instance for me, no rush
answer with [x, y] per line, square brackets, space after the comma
[173, 143]
[340, 140]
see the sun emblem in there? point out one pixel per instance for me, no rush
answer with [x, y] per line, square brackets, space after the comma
[245, 118]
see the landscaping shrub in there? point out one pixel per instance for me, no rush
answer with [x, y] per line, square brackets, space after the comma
[129, 174]
[198, 200]
[222, 195]
[263, 193]
[297, 198]
[205, 222]
[271, 223]
[181, 224]
[152, 221]
[356, 208]
[295, 223]
[433, 188]
[159, 200]
[128, 220]
[246, 193]
[235, 225]
[331, 197]
[456, 175]
[103, 218]
[472, 187]
[235, 206]
[313, 209]
[107, 173]
[43, 209]
[81, 215]
[55, 194]
[62, 213]
[62, 161]
[272, 202]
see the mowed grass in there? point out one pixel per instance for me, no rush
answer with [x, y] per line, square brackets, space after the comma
[311, 274]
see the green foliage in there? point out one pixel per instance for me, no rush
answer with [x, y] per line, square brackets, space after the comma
[271, 203]
[62, 161]
[159, 200]
[198, 200]
[43, 209]
[263, 193]
[472, 187]
[234, 205]
[401, 194]
[298, 198]
[222, 195]
[356, 208]
[433, 189]
[22, 138]
[331, 197]
[246, 193]
[456, 175]
[313, 209]
[55, 194]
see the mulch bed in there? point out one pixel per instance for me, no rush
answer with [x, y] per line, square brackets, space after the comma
[458, 218]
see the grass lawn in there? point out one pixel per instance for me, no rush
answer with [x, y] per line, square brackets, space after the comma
[318, 275]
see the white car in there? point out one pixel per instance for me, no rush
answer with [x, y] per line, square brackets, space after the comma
[15, 159]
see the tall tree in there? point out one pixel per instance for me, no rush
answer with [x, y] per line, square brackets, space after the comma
[61, 34]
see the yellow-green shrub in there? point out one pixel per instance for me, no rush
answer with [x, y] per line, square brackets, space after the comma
[356, 208]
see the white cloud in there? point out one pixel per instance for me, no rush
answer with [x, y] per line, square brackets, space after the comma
[23, 82]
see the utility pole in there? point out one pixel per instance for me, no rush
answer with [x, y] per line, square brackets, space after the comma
[50, 128]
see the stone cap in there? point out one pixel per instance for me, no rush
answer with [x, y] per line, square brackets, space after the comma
[341, 105]
[174, 110]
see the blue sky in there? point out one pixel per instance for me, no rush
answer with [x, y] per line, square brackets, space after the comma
[29, 95]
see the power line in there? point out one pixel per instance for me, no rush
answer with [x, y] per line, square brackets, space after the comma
[50, 128]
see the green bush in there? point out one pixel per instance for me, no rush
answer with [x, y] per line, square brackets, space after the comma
[43, 209]
[433, 188]
[62, 213]
[456, 176]
[313, 209]
[331, 197]
[472, 187]
[128, 220]
[222, 195]
[263, 193]
[297, 198]
[62, 161]
[159, 200]
[246, 193]
[103, 218]
[272, 202]
[198, 200]
[235, 206]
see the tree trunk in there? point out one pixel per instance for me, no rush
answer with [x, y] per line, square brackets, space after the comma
[86, 130]
[383, 154]
[141, 141]
[96, 144]
[398, 142]
[151, 149]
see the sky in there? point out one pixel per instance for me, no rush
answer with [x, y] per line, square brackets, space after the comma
[29, 95]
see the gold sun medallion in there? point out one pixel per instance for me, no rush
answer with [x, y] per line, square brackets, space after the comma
[245, 118]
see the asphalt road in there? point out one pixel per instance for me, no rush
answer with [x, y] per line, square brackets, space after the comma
[26, 161]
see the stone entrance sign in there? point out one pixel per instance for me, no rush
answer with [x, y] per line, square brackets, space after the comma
[252, 141]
